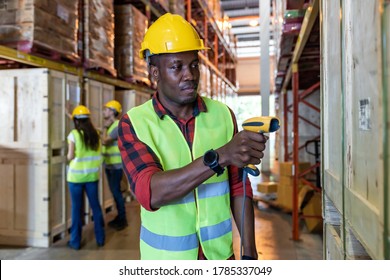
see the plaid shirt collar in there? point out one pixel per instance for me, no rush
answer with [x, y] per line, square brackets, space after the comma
[161, 111]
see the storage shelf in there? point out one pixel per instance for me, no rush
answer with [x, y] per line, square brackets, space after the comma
[213, 23]
[311, 16]
[153, 10]
[32, 60]
[215, 69]
[25, 58]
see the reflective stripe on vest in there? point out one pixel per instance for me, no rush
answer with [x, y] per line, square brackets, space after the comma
[174, 231]
[85, 166]
[111, 152]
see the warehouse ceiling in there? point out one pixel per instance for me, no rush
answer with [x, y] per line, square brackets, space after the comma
[241, 14]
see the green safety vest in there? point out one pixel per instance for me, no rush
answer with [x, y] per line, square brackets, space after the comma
[203, 216]
[111, 152]
[85, 166]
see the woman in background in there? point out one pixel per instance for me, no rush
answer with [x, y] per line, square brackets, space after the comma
[83, 175]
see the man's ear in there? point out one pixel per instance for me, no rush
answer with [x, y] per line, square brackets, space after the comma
[154, 72]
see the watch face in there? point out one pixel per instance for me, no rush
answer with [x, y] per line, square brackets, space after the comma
[210, 157]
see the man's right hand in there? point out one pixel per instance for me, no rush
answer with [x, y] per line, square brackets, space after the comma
[245, 148]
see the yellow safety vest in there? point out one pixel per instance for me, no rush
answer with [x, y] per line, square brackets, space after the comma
[85, 166]
[111, 152]
[203, 216]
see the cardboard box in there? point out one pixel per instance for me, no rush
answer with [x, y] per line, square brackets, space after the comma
[267, 187]
[285, 196]
[314, 208]
[285, 168]
[288, 181]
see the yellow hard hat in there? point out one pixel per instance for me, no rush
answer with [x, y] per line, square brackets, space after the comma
[171, 34]
[115, 105]
[80, 112]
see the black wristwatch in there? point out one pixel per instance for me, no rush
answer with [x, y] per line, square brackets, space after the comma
[210, 159]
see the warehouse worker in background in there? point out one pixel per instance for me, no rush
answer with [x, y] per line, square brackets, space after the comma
[183, 156]
[113, 161]
[83, 175]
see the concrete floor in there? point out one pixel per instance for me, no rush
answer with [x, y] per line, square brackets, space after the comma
[273, 239]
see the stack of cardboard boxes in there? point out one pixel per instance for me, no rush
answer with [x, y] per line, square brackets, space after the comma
[286, 182]
[130, 27]
[309, 201]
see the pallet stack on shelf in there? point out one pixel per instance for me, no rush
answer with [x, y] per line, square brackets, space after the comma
[33, 142]
[48, 28]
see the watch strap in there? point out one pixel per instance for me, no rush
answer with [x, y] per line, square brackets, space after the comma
[215, 164]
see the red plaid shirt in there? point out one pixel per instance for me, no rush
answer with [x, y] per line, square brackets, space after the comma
[140, 162]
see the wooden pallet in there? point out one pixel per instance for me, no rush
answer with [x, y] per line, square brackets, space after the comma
[37, 49]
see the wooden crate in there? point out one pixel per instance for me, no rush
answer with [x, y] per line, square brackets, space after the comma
[364, 169]
[33, 155]
[332, 103]
[334, 246]
[286, 168]
[313, 208]
[386, 91]
[131, 98]
[97, 95]
[354, 121]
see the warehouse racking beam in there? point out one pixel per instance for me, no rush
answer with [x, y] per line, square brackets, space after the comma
[213, 23]
[307, 25]
[25, 58]
[216, 71]
[116, 82]
[217, 38]
[36, 61]
[297, 175]
[153, 9]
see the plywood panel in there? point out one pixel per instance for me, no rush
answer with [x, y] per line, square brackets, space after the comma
[25, 123]
[31, 200]
[126, 98]
[8, 112]
[94, 102]
[6, 198]
[108, 94]
[57, 109]
[364, 123]
[334, 245]
[32, 122]
[73, 98]
[99, 94]
[57, 195]
[141, 98]
[386, 78]
[332, 103]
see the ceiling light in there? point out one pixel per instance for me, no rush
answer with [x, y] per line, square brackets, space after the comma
[253, 23]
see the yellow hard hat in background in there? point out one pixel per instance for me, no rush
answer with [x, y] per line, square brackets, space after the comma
[115, 105]
[171, 34]
[80, 112]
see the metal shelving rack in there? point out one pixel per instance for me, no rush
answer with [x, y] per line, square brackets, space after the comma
[212, 35]
[292, 78]
[152, 10]
[36, 61]
[222, 52]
